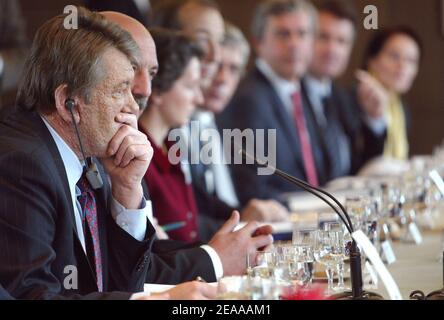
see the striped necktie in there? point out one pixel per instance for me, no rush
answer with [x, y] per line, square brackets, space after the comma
[89, 216]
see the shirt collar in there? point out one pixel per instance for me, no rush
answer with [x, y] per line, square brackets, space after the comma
[283, 86]
[318, 87]
[206, 118]
[72, 164]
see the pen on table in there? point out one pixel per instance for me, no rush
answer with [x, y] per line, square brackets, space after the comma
[173, 226]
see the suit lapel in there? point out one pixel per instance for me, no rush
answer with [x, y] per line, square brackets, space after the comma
[33, 120]
[317, 138]
[284, 119]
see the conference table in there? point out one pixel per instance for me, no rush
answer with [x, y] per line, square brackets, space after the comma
[417, 267]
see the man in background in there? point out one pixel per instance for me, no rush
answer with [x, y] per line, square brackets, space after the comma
[335, 114]
[272, 97]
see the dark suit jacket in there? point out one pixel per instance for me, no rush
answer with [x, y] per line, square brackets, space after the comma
[213, 212]
[38, 237]
[346, 117]
[256, 105]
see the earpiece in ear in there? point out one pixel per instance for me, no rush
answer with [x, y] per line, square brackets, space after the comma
[70, 104]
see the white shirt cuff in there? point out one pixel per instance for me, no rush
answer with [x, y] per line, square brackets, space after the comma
[377, 125]
[217, 263]
[132, 221]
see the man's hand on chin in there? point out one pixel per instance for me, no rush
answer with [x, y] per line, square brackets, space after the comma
[129, 155]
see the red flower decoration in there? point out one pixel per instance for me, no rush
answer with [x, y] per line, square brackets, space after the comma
[303, 293]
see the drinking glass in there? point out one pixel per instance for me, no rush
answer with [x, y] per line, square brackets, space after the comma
[329, 250]
[233, 288]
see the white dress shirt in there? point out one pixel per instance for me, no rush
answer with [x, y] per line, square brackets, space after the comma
[218, 176]
[132, 221]
[317, 91]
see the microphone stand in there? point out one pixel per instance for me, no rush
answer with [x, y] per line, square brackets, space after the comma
[357, 292]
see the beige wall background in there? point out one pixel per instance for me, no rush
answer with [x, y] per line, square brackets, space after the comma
[426, 99]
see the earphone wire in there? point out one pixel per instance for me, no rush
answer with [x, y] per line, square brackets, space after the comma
[85, 160]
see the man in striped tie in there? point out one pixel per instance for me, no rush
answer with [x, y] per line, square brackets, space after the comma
[66, 232]
[272, 96]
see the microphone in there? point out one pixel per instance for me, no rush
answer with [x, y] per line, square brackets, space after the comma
[357, 292]
[435, 295]
[92, 172]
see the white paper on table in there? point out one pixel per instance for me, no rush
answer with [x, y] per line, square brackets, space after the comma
[415, 233]
[156, 288]
[372, 254]
[278, 227]
[388, 253]
[434, 175]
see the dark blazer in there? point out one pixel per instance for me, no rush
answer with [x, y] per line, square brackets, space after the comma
[256, 105]
[343, 115]
[213, 212]
[177, 261]
[38, 237]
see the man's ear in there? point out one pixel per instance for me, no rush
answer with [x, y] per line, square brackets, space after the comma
[60, 98]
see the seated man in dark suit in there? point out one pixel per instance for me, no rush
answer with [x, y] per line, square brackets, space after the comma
[336, 116]
[224, 254]
[273, 97]
[65, 233]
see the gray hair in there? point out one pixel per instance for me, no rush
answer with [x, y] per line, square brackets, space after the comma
[278, 7]
[234, 38]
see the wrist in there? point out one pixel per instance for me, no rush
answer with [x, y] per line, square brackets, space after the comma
[127, 196]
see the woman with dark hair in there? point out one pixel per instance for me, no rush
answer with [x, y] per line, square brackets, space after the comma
[392, 61]
[176, 93]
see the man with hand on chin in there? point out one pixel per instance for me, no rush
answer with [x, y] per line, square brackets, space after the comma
[63, 234]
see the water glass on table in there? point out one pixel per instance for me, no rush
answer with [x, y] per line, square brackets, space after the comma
[329, 251]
